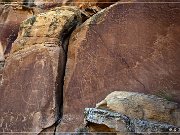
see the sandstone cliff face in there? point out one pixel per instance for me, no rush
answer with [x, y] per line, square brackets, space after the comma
[90, 3]
[10, 19]
[131, 47]
[31, 90]
[53, 3]
[12, 14]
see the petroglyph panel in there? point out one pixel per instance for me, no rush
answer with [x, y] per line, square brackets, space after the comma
[128, 47]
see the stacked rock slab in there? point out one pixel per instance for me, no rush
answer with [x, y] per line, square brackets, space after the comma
[129, 47]
[120, 124]
[122, 112]
[141, 106]
[31, 90]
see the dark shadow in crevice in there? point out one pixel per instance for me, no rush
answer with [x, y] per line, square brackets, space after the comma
[64, 42]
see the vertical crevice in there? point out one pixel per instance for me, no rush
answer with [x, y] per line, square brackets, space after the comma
[64, 38]
[64, 42]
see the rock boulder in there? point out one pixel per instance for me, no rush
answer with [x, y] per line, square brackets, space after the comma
[107, 122]
[141, 106]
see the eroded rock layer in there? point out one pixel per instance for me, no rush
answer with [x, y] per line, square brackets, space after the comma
[32, 80]
[122, 112]
[129, 47]
[141, 106]
[121, 124]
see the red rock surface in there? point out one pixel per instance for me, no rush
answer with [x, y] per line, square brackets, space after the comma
[31, 89]
[89, 3]
[28, 95]
[128, 47]
[10, 19]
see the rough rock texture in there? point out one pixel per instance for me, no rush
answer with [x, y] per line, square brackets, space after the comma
[79, 3]
[130, 47]
[141, 106]
[31, 91]
[1, 71]
[18, 2]
[117, 122]
[90, 3]
[10, 19]
[47, 27]
[85, 4]
[44, 4]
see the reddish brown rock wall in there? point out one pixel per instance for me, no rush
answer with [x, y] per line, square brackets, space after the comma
[129, 47]
[10, 19]
[28, 92]
[31, 90]
[90, 3]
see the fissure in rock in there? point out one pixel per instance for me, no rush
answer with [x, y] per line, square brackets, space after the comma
[64, 38]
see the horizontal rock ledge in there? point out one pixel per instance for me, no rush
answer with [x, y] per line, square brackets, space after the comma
[121, 123]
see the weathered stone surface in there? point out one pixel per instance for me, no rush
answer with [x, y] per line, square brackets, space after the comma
[1, 71]
[18, 2]
[130, 47]
[47, 3]
[10, 19]
[34, 3]
[31, 91]
[47, 27]
[141, 106]
[85, 4]
[11, 1]
[90, 3]
[117, 122]
[28, 92]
